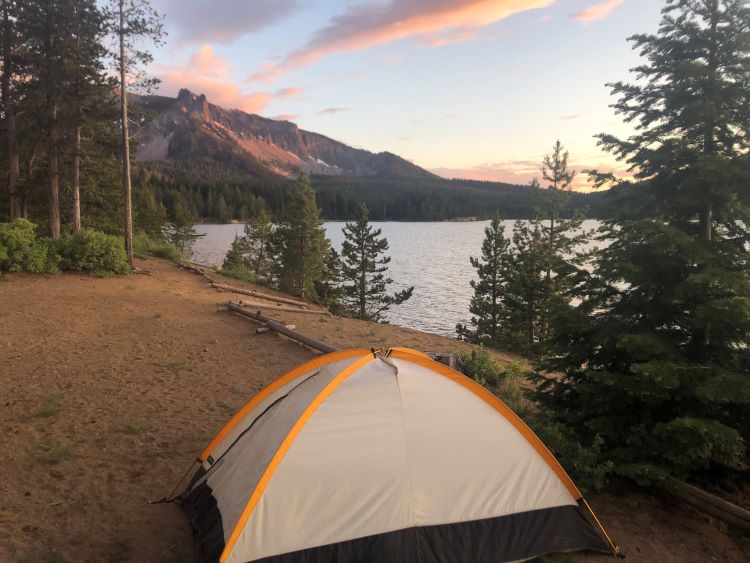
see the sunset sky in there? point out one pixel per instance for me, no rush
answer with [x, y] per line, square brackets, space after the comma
[465, 88]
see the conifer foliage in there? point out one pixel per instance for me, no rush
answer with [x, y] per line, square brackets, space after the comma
[655, 358]
[254, 252]
[303, 247]
[364, 268]
[488, 325]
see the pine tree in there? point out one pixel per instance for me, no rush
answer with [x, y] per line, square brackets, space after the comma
[254, 251]
[303, 246]
[9, 77]
[655, 357]
[134, 22]
[528, 291]
[88, 97]
[363, 271]
[489, 324]
[181, 231]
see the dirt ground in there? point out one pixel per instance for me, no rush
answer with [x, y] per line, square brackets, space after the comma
[109, 389]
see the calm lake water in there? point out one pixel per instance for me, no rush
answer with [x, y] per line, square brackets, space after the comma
[433, 257]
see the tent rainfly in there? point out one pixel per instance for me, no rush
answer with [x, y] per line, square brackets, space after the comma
[382, 456]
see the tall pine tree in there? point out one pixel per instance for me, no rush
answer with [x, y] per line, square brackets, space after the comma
[363, 270]
[488, 323]
[304, 248]
[655, 358]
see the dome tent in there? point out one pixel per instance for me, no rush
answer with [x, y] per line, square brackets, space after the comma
[381, 456]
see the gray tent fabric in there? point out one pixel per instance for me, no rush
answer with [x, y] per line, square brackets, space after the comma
[364, 456]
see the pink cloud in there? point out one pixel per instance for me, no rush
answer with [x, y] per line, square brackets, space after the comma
[285, 117]
[207, 73]
[524, 171]
[332, 111]
[293, 92]
[363, 26]
[571, 116]
[597, 11]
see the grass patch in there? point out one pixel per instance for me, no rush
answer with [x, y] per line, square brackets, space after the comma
[49, 407]
[52, 454]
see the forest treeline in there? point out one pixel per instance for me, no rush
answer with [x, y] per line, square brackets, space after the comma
[340, 197]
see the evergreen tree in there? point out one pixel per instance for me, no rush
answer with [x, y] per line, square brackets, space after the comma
[363, 270]
[150, 216]
[303, 247]
[489, 325]
[181, 231]
[529, 294]
[254, 251]
[88, 98]
[329, 288]
[134, 22]
[655, 357]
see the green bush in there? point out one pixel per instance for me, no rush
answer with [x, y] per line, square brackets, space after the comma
[144, 245]
[93, 251]
[22, 251]
[479, 365]
[585, 463]
[503, 381]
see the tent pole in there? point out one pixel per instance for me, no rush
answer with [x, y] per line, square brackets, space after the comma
[615, 549]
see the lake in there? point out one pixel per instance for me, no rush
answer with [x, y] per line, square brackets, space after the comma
[433, 257]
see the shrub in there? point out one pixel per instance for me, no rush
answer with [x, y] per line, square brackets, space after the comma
[144, 245]
[93, 251]
[585, 463]
[21, 249]
[478, 365]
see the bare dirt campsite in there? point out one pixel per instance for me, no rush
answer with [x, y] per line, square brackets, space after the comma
[110, 387]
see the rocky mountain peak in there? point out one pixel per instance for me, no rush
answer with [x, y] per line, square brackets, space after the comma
[189, 127]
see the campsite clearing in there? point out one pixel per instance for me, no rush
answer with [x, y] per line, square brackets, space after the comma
[109, 388]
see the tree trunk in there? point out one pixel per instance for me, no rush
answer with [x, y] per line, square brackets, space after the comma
[16, 207]
[362, 286]
[126, 184]
[709, 142]
[53, 174]
[77, 180]
[10, 117]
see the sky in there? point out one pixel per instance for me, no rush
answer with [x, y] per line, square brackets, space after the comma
[465, 88]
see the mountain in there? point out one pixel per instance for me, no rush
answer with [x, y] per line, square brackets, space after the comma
[190, 129]
[221, 165]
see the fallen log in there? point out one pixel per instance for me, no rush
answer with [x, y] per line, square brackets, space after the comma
[222, 287]
[279, 307]
[280, 328]
[710, 504]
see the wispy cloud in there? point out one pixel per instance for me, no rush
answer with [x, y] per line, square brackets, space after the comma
[363, 26]
[285, 117]
[523, 171]
[224, 20]
[293, 92]
[571, 116]
[332, 111]
[597, 11]
[207, 73]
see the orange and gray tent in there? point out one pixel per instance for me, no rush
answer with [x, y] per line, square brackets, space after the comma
[384, 457]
